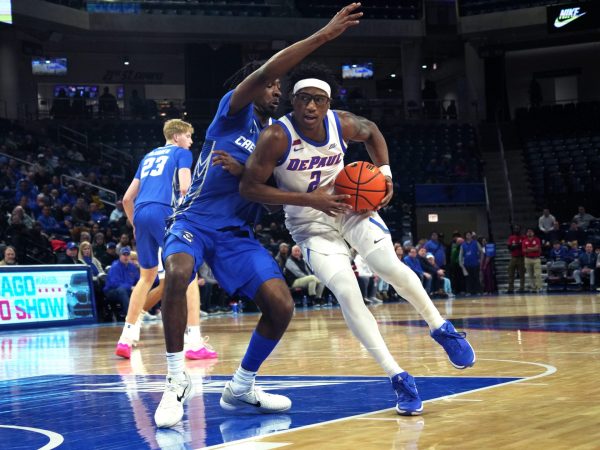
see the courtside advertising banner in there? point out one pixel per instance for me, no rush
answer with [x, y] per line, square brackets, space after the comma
[569, 17]
[32, 296]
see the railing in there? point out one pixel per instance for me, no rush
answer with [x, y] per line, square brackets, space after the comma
[106, 195]
[113, 153]
[22, 161]
[511, 210]
[73, 136]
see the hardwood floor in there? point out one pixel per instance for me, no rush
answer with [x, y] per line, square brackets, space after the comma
[535, 383]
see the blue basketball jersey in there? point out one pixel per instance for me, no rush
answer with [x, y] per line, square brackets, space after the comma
[158, 175]
[214, 199]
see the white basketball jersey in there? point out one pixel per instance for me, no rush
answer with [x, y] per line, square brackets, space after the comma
[305, 166]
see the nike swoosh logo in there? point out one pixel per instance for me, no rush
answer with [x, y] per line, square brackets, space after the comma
[298, 149]
[257, 404]
[378, 240]
[561, 23]
[181, 397]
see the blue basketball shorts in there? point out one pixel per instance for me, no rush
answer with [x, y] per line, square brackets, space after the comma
[150, 221]
[238, 261]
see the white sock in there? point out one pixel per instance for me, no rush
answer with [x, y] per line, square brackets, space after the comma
[242, 381]
[385, 263]
[194, 338]
[175, 364]
[128, 333]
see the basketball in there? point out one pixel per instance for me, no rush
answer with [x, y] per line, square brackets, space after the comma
[364, 183]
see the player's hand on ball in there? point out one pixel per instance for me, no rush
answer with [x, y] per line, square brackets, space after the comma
[228, 162]
[330, 204]
[345, 18]
[389, 193]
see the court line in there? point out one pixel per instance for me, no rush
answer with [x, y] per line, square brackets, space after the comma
[55, 438]
[549, 370]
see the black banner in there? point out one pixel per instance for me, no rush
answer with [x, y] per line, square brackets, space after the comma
[579, 16]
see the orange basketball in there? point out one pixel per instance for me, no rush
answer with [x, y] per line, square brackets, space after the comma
[364, 183]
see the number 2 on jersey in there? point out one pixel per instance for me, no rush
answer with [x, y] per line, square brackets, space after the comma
[154, 166]
[316, 177]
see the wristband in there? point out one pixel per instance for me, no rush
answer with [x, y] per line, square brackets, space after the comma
[385, 170]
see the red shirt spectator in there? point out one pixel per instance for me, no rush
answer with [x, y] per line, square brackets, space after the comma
[515, 244]
[532, 246]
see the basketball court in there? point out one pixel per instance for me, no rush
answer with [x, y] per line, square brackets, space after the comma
[534, 384]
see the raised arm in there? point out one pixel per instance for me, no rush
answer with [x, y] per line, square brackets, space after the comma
[280, 63]
[358, 129]
[270, 148]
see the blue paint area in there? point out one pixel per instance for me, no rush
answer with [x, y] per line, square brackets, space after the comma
[567, 323]
[116, 412]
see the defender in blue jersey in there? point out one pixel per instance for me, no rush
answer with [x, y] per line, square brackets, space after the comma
[213, 224]
[162, 178]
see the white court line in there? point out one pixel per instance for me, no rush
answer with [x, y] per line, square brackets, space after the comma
[255, 445]
[549, 370]
[55, 438]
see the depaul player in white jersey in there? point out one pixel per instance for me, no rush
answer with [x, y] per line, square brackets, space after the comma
[304, 151]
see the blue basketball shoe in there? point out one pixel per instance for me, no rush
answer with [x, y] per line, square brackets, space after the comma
[460, 353]
[409, 403]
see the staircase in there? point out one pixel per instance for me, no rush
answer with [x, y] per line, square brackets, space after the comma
[498, 186]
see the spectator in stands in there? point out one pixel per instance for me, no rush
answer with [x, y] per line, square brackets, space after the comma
[9, 257]
[517, 262]
[587, 266]
[110, 255]
[85, 236]
[121, 278]
[583, 219]
[207, 288]
[557, 260]
[282, 255]
[61, 106]
[117, 213]
[298, 275]
[86, 256]
[80, 213]
[99, 245]
[457, 278]
[446, 285]
[70, 196]
[546, 225]
[573, 255]
[97, 216]
[435, 247]
[107, 104]
[412, 261]
[24, 219]
[574, 233]
[470, 262]
[488, 270]
[25, 189]
[137, 105]
[49, 223]
[431, 281]
[556, 234]
[124, 241]
[71, 255]
[532, 251]
[451, 112]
